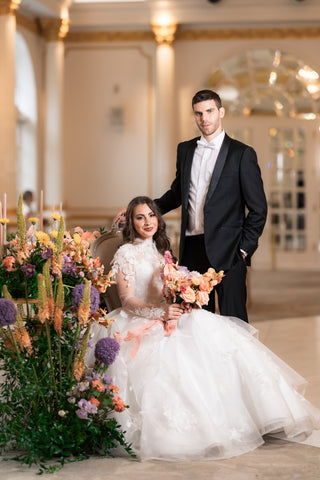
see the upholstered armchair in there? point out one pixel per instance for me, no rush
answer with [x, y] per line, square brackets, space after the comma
[105, 247]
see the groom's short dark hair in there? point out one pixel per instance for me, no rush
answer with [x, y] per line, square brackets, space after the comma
[204, 95]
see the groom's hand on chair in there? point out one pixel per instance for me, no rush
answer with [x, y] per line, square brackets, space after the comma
[119, 215]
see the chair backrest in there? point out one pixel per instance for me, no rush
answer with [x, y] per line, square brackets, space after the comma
[105, 247]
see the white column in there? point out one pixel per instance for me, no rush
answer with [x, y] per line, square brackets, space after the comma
[7, 106]
[53, 30]
[165, 114]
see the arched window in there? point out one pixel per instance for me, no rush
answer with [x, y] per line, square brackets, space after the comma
[26, 106]
[267, 82]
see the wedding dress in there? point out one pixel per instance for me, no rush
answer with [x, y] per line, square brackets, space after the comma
[209, 390]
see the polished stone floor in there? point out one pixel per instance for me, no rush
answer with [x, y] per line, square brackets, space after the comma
[295, 340]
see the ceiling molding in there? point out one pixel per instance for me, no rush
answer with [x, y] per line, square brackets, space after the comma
[108, 36]
[195, 34]
[248, 33]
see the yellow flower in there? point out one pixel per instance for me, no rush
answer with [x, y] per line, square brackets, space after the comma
[43, 237]
[54, 233]
[33, 220]
[4, 220]
[56, 216]
[76, 238]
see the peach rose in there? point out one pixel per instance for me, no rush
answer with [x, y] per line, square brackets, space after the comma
[188, 295]
[202, 298]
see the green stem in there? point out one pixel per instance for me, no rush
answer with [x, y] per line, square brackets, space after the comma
[73, 348]
[60, 365]
[39, 388]
[50, 359]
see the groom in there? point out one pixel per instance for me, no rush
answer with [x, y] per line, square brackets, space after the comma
[219, 187]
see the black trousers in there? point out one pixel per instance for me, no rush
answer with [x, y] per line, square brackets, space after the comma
[231, 292]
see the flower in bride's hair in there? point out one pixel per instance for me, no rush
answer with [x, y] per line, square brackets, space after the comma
[8, 312]
[78, 294]
[106, 350]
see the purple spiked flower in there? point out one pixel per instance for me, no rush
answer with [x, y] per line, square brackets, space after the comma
[106, 350]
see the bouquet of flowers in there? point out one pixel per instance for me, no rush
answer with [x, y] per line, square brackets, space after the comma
[52, 407]
[190, 289]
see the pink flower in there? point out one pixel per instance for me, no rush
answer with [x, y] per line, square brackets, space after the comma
[94, 401]
[8, 263]
[168, 257]
[118, 404]
[113, 388]
[98, 385]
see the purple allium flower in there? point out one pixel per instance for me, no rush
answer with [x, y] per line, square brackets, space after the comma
[8, 312]
[29, 269]
[106, 350]
[78, 294]
[47, 254]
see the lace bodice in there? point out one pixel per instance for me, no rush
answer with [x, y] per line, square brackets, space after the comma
[137, 269]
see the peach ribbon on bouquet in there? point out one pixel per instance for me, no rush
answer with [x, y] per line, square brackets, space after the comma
[137, 333]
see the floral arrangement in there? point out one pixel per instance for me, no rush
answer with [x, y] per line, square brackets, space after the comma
[190, 289]
[52, 407]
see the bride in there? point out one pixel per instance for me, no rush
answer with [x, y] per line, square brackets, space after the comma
[199, 386]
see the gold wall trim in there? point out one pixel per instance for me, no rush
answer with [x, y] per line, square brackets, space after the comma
[124, 36]
[27, 23]
[196, 34]
[248, 33]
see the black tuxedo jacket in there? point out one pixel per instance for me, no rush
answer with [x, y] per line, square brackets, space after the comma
[235, 209]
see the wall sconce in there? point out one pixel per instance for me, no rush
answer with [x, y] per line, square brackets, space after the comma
[164, 34]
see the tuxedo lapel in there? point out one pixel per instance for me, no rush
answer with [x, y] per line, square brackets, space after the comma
[221, 160]
[187, 171]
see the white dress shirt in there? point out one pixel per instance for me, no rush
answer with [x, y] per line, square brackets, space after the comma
[204, 160]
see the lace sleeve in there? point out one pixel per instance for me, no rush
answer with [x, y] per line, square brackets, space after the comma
[123, 267]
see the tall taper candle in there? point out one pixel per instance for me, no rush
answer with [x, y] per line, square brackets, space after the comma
[5, 216]
[41, 210]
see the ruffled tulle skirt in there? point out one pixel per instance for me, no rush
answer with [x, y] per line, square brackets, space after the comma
[211, 390]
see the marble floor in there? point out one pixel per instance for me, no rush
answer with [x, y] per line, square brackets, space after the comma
[295, 340]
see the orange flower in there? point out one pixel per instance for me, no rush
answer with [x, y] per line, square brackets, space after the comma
[98, 385]
[94, 401]
[204, 284]
[8, 263]
[113, 389]
[118, 404]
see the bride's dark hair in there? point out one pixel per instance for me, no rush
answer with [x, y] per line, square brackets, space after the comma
[129, 233]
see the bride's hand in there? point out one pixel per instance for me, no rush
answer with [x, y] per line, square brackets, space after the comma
[173, 312]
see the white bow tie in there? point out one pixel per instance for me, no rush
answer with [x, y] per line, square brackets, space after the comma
[202, 143]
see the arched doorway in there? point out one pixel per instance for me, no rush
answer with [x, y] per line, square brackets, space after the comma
[273, 103]
[26, 107]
